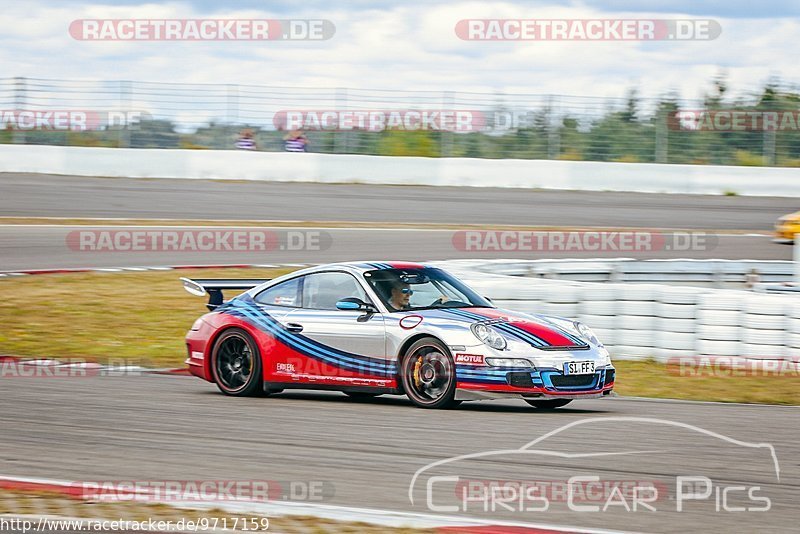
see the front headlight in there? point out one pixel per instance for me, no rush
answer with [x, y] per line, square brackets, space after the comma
[489, 336]
[508, 362]
[586, 334]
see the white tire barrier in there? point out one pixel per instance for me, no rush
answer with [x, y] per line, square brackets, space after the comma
[764, 337]
[764, 322]
[601, 307]
[633, 307]
[707, 347]
[719, 317]
[638, 321]
[685, 326]
[604, 322]
[561, 309]
[676, 341]
[626, 352]
[765, 352]
[636, 338]
[677, 311]
[719, 333]
[721, 300]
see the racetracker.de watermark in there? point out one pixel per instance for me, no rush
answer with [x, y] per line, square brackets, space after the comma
[72, 120]
[197, 240]
[732, 366]
[65, 368]
[201, 29]
[588, 29]
[381, 119]
[734, 120]
[203, 490]
[581, 241]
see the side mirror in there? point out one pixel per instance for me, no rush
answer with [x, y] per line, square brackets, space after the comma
[354, 304]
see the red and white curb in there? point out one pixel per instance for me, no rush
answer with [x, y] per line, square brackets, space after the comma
[373, 516]
[25, 272]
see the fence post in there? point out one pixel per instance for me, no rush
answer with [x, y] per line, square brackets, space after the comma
[445, 137]
[20, 90]
[769, 146]
[340, 137]
[553, 131]
[662, 137]
[124, 132]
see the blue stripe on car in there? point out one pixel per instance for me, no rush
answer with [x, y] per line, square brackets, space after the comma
[306, 345]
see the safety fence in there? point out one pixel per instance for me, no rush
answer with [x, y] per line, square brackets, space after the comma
[627, 128]
[663, 322]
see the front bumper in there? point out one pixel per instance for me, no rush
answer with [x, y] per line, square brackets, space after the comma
[545, 383]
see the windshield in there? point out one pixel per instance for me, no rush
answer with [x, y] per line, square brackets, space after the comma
[425, 288]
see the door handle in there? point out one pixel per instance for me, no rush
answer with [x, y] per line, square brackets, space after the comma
[294, 327]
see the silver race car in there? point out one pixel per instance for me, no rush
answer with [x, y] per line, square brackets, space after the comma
[373, 328]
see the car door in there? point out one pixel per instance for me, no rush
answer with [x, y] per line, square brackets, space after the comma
[280, 346]
[349, 345]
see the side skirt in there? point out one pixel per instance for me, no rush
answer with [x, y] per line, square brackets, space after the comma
[275, 386]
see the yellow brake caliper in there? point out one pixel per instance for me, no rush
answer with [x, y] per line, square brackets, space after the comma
[417, 366]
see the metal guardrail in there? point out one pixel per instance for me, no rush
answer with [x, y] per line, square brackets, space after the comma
[717, 273]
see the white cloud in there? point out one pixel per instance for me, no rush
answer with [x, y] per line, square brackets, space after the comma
[405, 47]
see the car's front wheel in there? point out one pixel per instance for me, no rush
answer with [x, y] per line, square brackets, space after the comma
[550, 404]
[236, 364]
[428, 374]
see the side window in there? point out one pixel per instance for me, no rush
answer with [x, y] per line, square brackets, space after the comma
[284, 294]
[323, 290]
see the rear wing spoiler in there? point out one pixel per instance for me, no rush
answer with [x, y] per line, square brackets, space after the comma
[213, 287]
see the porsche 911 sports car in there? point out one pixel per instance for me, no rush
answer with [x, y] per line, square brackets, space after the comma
[389, 328]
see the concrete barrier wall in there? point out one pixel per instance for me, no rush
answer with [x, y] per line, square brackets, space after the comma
[336, 168]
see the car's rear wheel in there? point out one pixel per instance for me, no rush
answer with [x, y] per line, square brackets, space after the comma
[236, 364]
[550, 404]
[428, 374]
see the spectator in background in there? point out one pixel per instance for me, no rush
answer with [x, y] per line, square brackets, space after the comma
[246, 141]
[752, 278]
[295, 141]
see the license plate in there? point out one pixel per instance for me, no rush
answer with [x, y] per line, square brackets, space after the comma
[579, 368]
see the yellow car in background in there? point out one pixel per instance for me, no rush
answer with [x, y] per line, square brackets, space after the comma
[787, 226]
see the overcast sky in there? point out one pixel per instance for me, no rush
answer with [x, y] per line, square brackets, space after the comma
[413, 45]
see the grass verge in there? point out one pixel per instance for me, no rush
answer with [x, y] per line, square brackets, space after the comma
[138, 317]
[143, 317]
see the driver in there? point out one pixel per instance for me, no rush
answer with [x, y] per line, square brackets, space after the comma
[400, 295]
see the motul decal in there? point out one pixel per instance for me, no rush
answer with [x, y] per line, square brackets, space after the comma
[470, 359]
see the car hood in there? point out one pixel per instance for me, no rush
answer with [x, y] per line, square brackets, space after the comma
[542, 332]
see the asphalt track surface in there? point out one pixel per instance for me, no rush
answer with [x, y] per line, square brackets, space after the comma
[156, 428]
[66, 196]
[47, 247]
[179, 428]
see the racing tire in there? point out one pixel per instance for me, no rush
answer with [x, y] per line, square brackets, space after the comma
[549, 404]
[361, 394]
[236, 364]
[428, 374]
